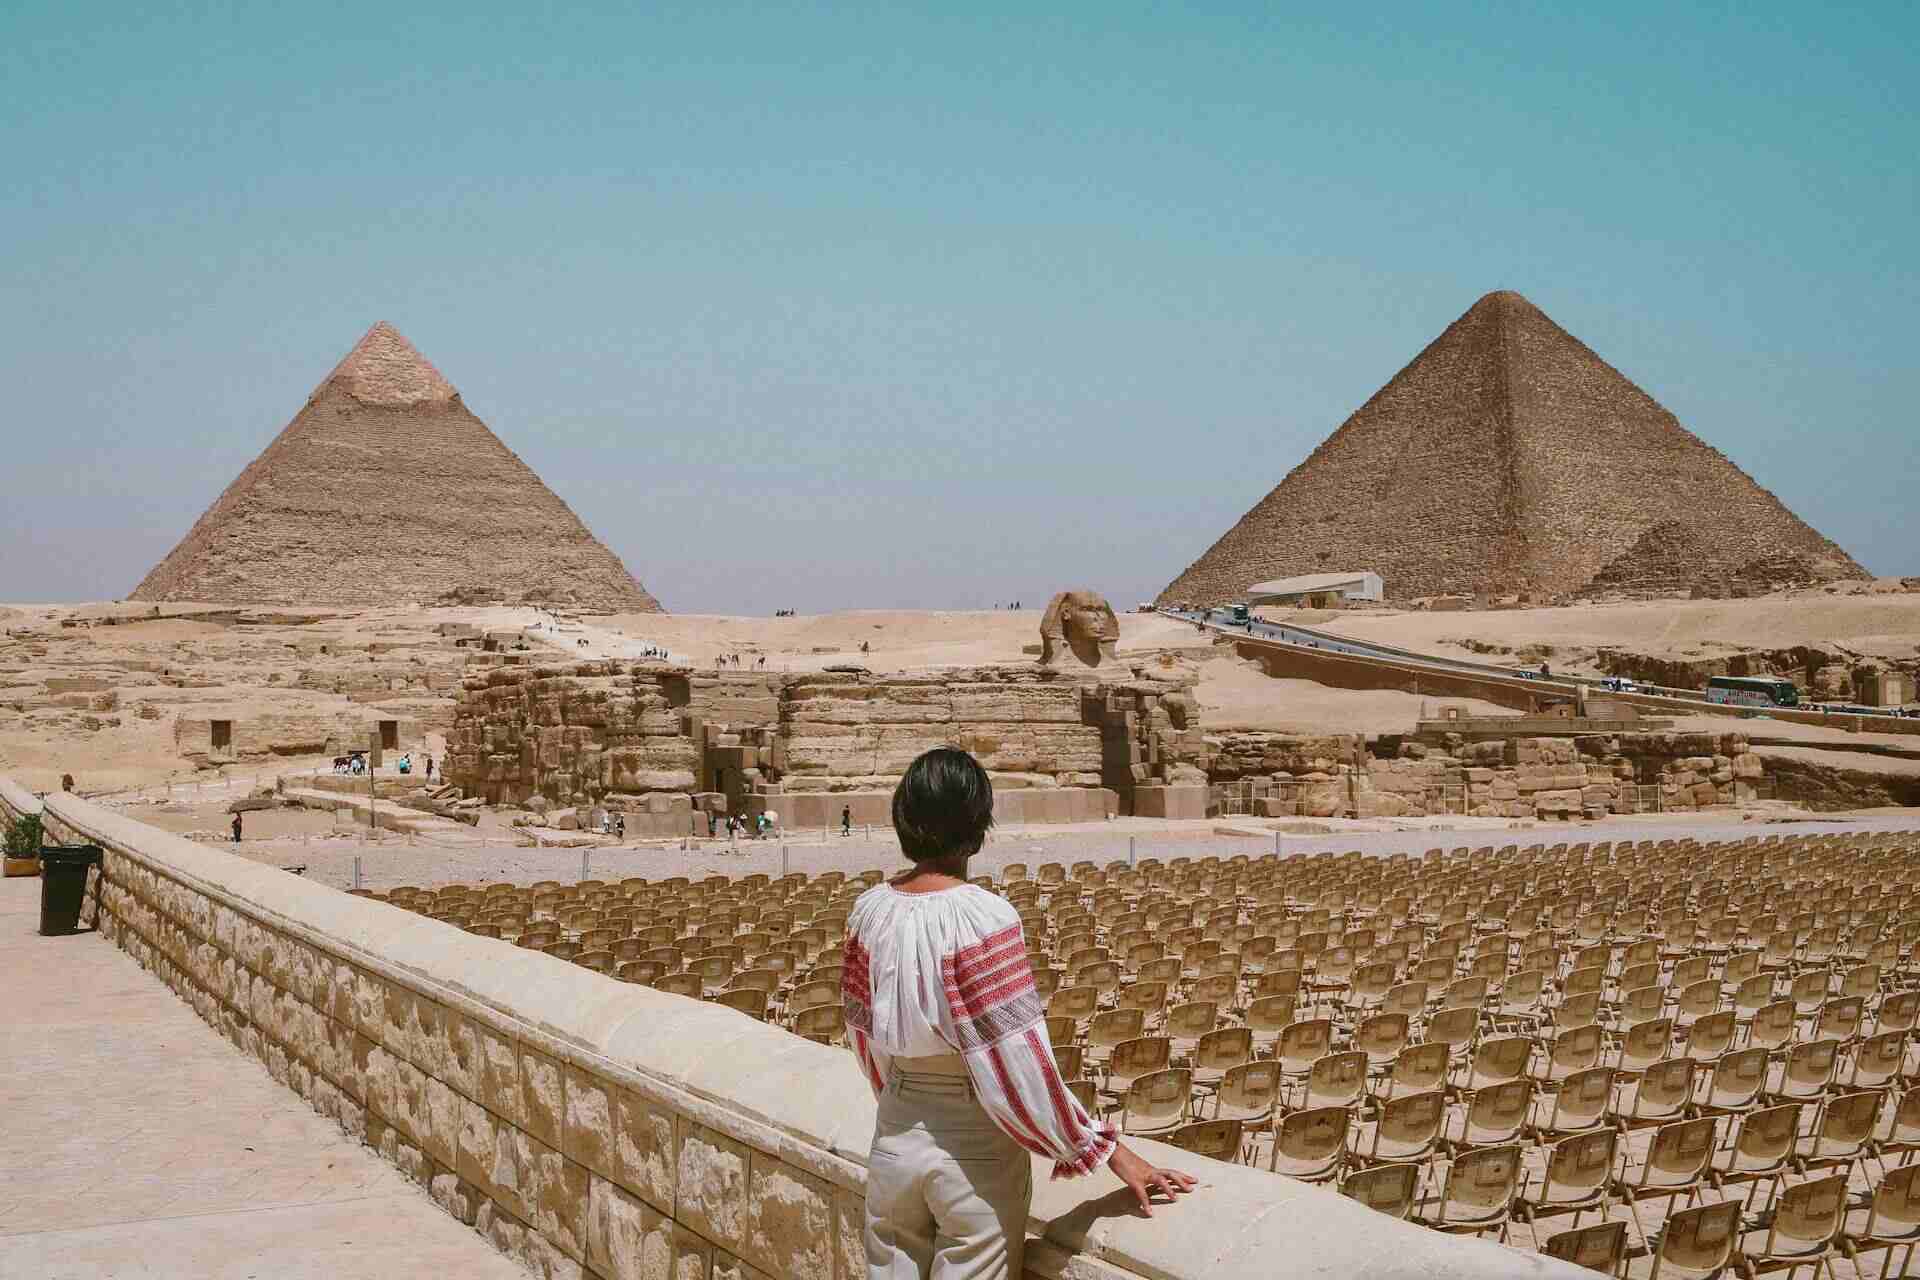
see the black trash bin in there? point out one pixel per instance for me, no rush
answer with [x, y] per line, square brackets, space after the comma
[63, 886]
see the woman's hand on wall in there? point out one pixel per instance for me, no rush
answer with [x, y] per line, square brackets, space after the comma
[1144, 1180]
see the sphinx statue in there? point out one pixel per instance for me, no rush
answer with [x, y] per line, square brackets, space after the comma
[1078, 628]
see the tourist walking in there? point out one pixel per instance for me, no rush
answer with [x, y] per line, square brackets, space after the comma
[948, 1027]
[846, 820]
[236, 828]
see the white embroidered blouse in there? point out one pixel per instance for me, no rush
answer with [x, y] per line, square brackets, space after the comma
[946, 972]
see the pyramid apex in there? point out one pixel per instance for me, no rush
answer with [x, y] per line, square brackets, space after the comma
[1504, 300]
[385, 369]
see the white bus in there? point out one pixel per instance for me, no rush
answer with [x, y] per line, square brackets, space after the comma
[1753, 691]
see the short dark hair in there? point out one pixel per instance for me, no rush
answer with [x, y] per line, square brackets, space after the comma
[943, 805]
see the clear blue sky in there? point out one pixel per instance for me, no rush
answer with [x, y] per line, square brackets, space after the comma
[932, 307]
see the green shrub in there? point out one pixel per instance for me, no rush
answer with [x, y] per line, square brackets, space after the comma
[23, 837]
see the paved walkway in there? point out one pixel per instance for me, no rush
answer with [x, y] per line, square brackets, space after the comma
[135, 1142]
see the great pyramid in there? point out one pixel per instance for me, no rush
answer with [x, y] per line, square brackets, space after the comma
[384, 489]
[1509, 457]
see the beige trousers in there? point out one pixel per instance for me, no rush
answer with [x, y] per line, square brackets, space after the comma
[947, 1191]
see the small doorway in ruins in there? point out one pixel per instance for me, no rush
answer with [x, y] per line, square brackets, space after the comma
[389, 735]
[221, 735]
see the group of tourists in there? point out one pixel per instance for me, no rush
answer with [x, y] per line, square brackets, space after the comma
[758, 827]
[354, 765]
[406, 765]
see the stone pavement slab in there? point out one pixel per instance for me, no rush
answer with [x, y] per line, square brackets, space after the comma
[136, 1142]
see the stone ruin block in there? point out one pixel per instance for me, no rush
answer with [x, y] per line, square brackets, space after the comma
[1157, 801]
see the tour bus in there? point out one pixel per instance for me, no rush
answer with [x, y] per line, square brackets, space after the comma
[1241, 613]
[1753, 691]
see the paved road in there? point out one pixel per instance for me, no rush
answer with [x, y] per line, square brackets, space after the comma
[135, 1142]
[1221, 620]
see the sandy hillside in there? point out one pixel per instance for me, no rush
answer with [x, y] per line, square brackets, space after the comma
[1881, 625]
[196, 659]
[897, 639]
[1237, 695]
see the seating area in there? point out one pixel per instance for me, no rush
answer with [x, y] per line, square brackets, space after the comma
[1672, 1058]
[769, 948]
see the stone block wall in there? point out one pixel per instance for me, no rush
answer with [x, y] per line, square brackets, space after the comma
[1015, 720]
[572, 733]
[1523, 777]
[258, 735]
[599, 732]
[16, 801]
[589, 1127]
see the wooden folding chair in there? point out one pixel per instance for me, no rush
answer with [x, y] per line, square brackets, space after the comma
[1579, 1106]
[1891, 1219]
[1675, 1165]
[1841, 1132]
[1761, 1148]
[1217, 1139]
[1578, 1177]
[1478, 1194]
[1249, 1093]
[1388, 1188]
[1407, 1131]
[1807, 1072]
[1697, 1243]
[1663, 1093]
[1156, 1103]
[1600, 1247]
[1495, 1115]
[1311, 1145]
[1806, 1222]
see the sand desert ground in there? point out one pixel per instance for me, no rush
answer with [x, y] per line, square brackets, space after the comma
[157, 668]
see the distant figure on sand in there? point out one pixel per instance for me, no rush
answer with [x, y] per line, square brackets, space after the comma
[429, 768]
[846, 820]
[236, 828]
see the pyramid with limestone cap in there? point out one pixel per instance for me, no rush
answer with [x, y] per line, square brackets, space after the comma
[385, 489]
[1508, 457]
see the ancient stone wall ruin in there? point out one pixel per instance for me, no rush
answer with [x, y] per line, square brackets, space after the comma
[212, 736]
[1554, 778]
[613, 733]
